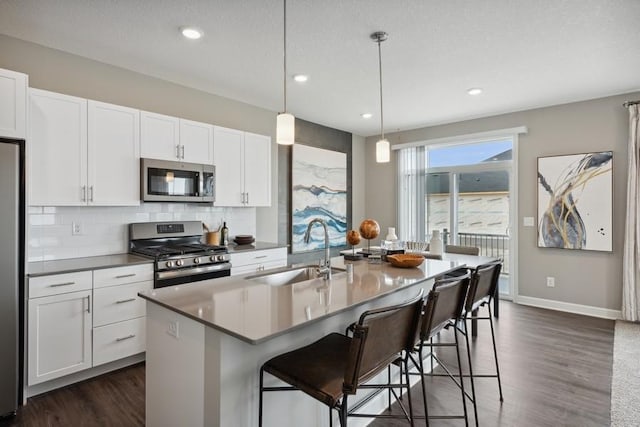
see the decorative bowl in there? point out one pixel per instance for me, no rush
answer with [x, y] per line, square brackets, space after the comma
[405, 260]
[243, 239]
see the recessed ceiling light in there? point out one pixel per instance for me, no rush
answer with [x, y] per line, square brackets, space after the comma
[474, 91]
[300, 78]
[366, 115]
[191, 33]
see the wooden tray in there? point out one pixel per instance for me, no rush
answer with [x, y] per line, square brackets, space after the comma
[405, 260]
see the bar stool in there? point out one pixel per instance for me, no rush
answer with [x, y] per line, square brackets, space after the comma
[337, 365]
[484, 282]
[443, 309]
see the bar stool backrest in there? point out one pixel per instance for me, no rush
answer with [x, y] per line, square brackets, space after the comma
[445, 302]
[378, 338]
[484, 280]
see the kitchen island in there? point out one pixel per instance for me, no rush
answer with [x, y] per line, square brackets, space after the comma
[207, 340]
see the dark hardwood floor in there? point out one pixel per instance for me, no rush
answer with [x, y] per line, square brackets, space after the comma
[556, 371]
[113, 399]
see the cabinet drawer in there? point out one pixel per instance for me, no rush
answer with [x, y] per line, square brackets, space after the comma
[59, 284]
[258, 257]
[117, 303]
[257, 268]
[122, 275]
[118, 340]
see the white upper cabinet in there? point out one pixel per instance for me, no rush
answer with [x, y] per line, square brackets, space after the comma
[227, 156]
[82, 152]
[159, 136]
[243, 168]
[13, 104]
[196, 142]
[57, 149]
[113, 155]
[257, 169]
[171, 138]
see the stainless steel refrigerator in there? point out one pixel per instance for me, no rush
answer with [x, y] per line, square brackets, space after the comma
[12, 256]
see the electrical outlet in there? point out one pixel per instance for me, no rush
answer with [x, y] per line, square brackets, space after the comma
[551, 282]
[173, 329]
[76, 228]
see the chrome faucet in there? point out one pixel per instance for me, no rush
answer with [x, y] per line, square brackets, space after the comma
[324, 270]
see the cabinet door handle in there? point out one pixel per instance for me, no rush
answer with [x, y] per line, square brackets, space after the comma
[83, 193]
[247, 201]
[128, 337]
[182, 150]
[122, 301]
[178, 151]
[55, 285]
[88, 303]
[122, 276]
[91, 193]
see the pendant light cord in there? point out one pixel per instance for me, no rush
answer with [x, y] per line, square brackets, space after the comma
[380, 68]
[284, 82]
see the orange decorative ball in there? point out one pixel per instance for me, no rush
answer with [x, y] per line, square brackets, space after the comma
[369, 229]
[353, 237]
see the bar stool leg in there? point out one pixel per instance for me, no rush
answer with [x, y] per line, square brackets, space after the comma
[406, 371]
[343, 412]
[473, 387]
[424, 388]
[260, 398]
[495, 353]
[464, 398]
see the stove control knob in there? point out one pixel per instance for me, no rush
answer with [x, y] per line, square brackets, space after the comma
[220, 257]
[169, 264]
[212, 258]
[179, 263]
[196, 260]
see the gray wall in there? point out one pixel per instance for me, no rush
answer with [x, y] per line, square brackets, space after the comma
[319, 136]
[582, 277]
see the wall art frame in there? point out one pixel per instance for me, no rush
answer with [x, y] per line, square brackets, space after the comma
[575, 201]
[318, 190]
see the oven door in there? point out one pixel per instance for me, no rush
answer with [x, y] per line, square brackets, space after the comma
[191, 274]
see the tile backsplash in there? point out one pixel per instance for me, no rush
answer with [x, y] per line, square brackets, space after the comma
[104, 230]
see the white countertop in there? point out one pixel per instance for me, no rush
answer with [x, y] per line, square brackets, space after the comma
[256, 312]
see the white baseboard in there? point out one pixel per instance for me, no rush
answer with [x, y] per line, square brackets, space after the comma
[586, 310]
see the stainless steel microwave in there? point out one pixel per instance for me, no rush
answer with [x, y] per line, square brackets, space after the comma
[172, 181]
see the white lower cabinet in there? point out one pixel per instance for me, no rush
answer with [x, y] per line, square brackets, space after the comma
[84, 319]
[257, 261]
[59, 335]
[118, 340]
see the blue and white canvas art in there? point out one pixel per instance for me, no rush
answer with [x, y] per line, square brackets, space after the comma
[575, 201]
[319, 190]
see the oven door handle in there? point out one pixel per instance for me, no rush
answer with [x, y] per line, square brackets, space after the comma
[192, 271]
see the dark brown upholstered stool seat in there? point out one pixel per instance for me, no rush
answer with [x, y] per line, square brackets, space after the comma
[317, 369]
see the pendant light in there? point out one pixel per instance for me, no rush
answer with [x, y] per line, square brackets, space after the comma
[383, 149]
[285, 124]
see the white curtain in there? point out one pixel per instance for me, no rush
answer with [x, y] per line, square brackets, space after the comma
[630, 263]
[411, 191]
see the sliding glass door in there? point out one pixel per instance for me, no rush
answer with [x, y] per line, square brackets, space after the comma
[464, 190]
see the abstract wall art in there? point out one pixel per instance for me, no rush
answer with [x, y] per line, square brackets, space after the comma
[575, 201]
[318, 190]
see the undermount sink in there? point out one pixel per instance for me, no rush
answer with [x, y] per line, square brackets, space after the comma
[288, 276]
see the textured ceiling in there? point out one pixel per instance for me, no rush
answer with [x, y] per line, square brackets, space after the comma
[523, 53]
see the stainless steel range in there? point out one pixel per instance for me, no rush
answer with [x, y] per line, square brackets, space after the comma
[179, 255]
